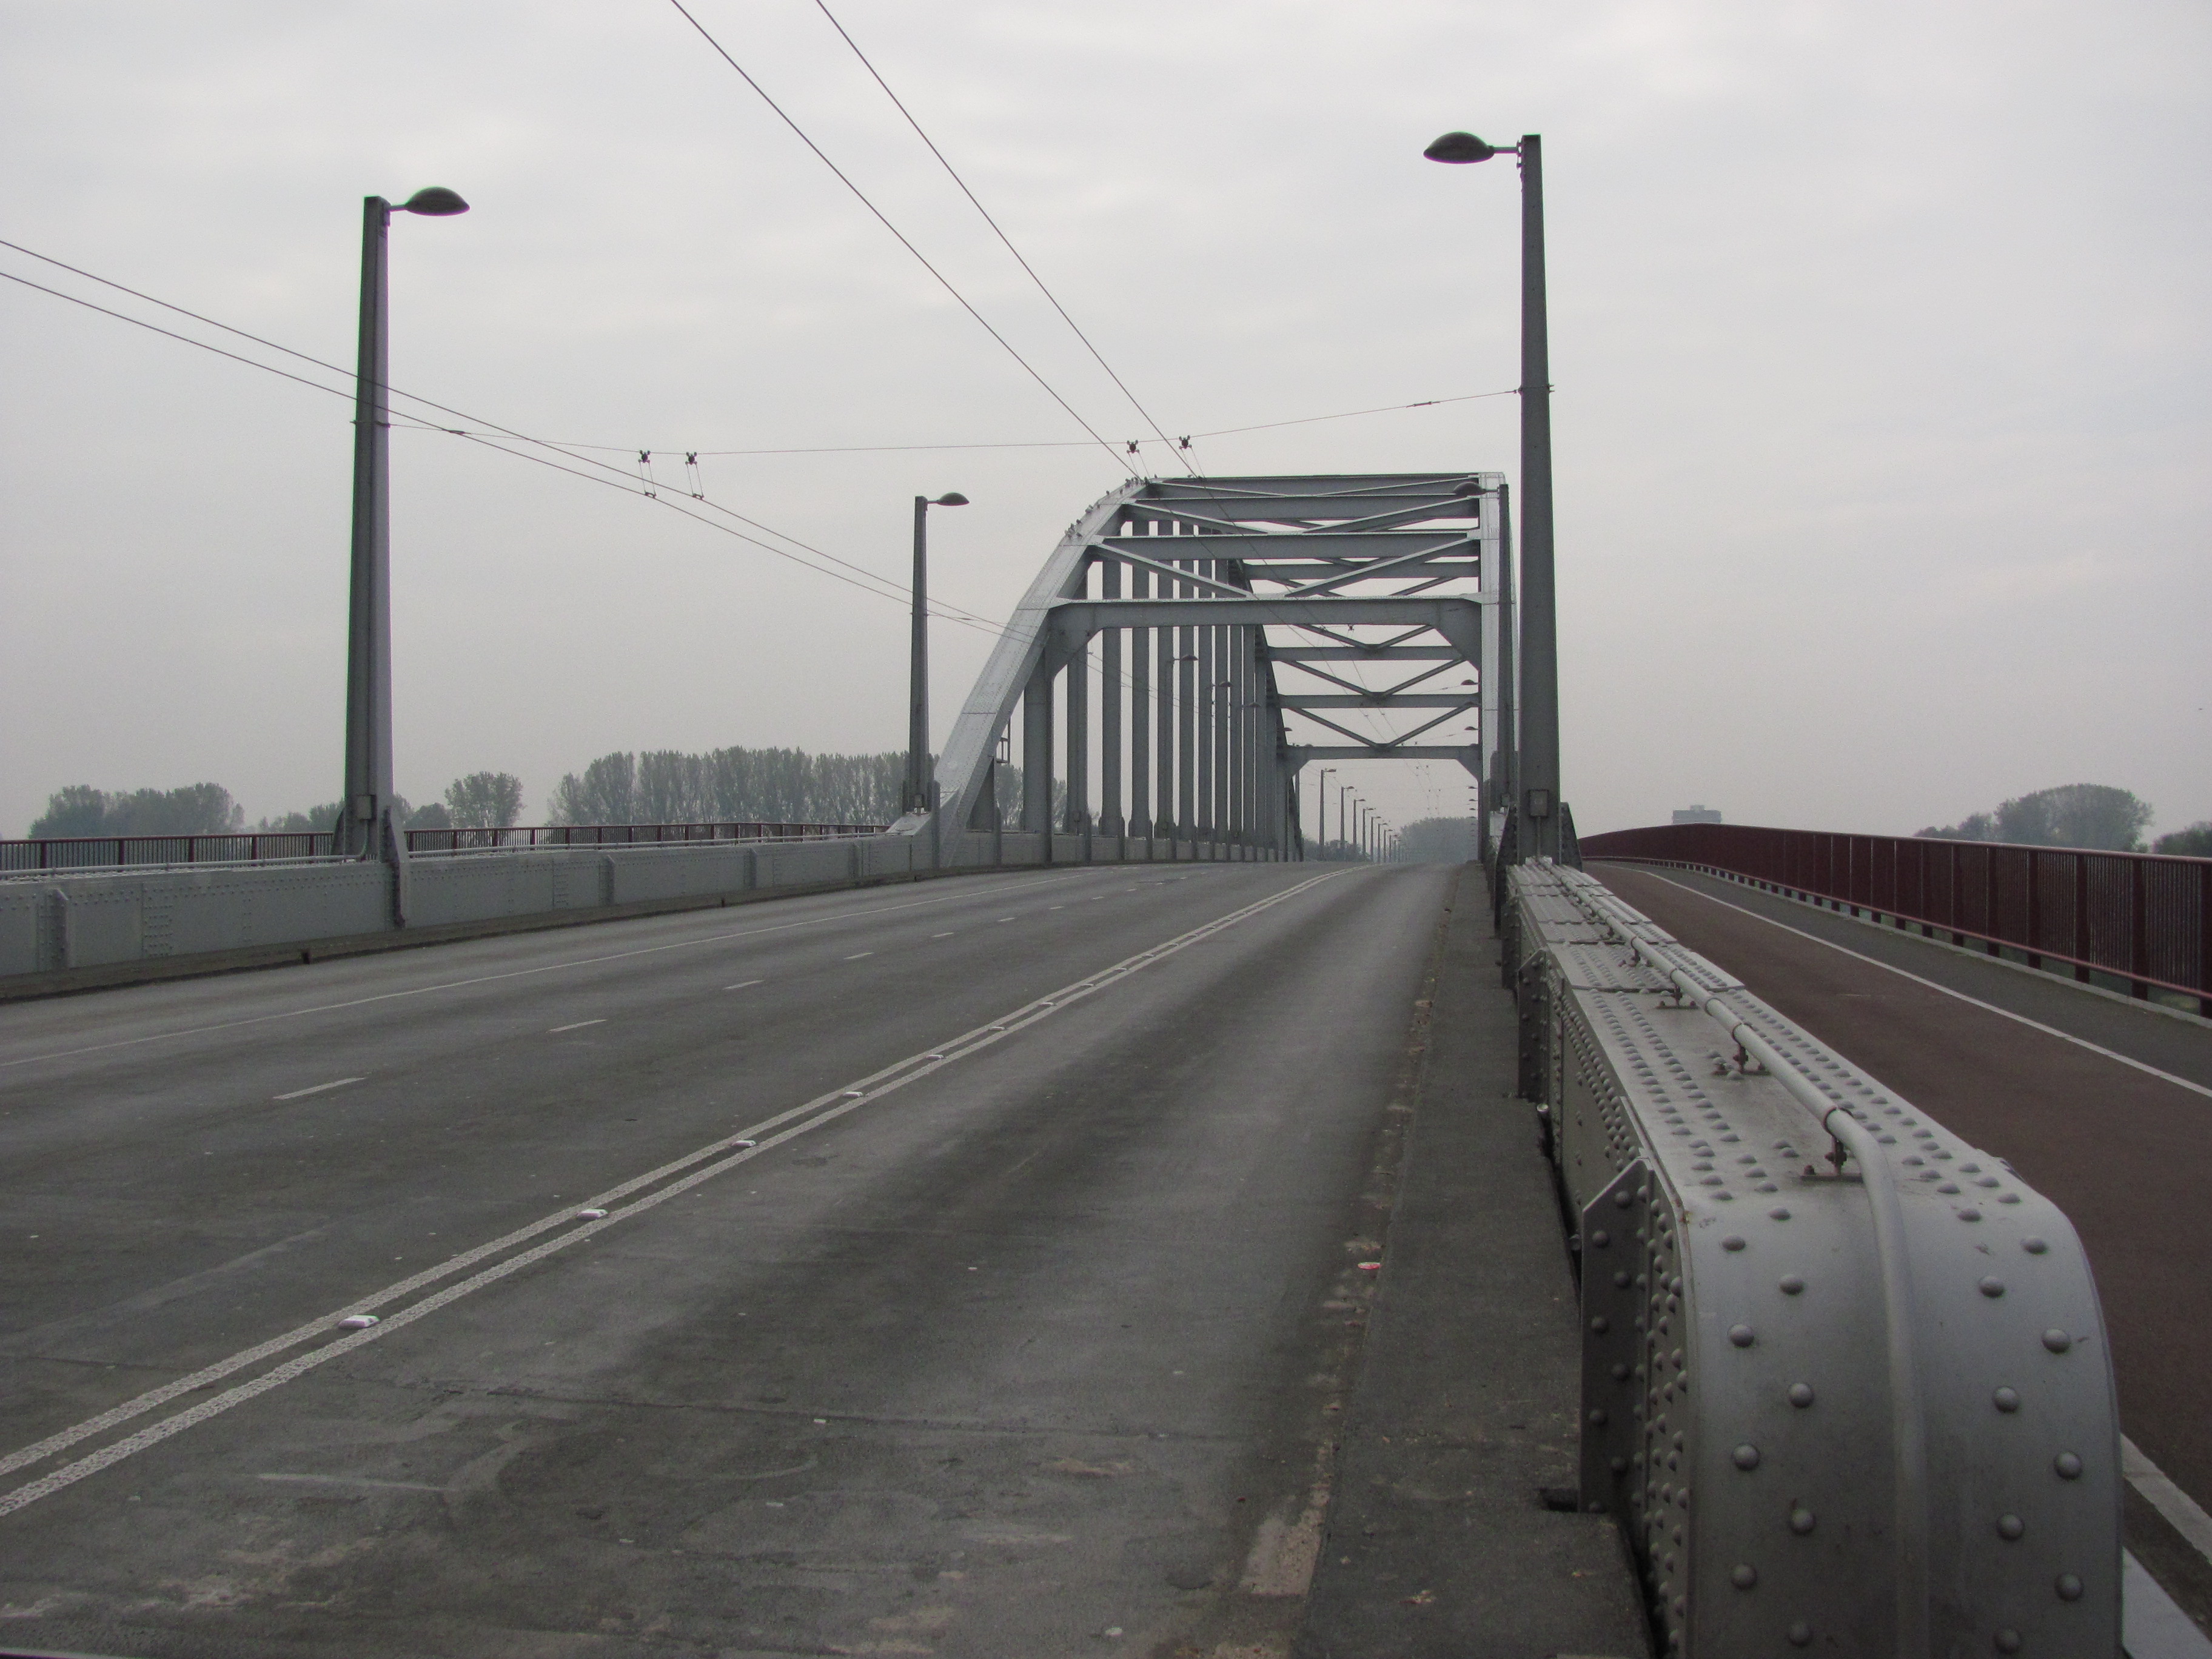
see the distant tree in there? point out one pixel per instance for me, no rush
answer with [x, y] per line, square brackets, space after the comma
[77, 810]
[604, 794]
[196, 809]
[736, 785]
[2194, 843]
[1437, 841]
[484, 800]
[431, 814]
[323, 818]
[2092, 815]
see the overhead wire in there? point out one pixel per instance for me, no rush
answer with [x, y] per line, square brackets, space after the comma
[944, 281]
[626, 480]
[999, 231]
[886, 587]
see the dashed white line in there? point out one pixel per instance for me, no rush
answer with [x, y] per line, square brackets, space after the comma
[744, 984]
[940, 936]
[857, 955]
[526, 973]
[298, 1094]
[578, 1026]
[687, 1172]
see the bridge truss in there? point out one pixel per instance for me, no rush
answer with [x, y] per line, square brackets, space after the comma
[1191, 643]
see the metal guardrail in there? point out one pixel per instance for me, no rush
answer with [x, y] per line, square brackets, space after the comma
[1845, 1384]
[2143, 918]
[50, 854]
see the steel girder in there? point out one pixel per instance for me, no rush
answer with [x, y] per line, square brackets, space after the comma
[1196, 595]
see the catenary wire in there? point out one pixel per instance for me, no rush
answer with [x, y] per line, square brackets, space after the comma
[996, 230]
[943, 281]
[623, 478]
[889, 588]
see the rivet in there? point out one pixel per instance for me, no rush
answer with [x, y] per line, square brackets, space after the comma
[1742, 1335]
[1992, 1287]
[1600, 1324]
[1747, 1457]
[2033, 1246]
[1621, 1466]
[2056, 1341]
[2068, 1587]
[1800, 1394]
[2010, 1526]
[1621, 1371]
[1600, 1238]
[1801, 1634]
[1597, 1416]
[1970, 1214]
[1732, 1242]
[2006, 1399]
[1777, 1214]
[1801, 1521]
[2068, 1465]
[1792, 1284]
[2008, 1640]
[1744, 1577]
[1620, 1280]
[1623, 1198]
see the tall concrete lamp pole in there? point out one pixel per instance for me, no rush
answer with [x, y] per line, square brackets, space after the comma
[917, 710]
[364, 826]
[1536, 805]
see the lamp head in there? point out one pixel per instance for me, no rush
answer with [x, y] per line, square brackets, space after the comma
[436, 202]
[1459, 147]
[950, 498]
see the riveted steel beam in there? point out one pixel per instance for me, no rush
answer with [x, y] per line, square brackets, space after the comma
[1863, 1402]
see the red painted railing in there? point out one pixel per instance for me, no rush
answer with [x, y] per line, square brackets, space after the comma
[99, 852]
[2140, 917]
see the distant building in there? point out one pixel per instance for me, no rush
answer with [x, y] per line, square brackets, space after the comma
[1697, 815]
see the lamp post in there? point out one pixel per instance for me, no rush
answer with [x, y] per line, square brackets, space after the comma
[1321, 793]
[917, 705]
[364, 827]
[1536, 782]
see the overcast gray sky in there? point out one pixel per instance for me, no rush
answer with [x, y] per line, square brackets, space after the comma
[1879, 330]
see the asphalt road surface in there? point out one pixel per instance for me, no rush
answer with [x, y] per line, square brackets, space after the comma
[972, 1277]
[2126, 1153]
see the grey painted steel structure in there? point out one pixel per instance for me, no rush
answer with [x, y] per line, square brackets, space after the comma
[1199, 593]
[1871, 1354]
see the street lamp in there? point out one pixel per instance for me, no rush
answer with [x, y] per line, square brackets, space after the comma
[1537, 776]
[917, 709]
[364, 827]
[1321, 792]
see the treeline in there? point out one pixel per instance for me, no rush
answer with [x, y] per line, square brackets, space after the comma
[198, 809]
[736, 785]
[480, 800]
[2092, 815]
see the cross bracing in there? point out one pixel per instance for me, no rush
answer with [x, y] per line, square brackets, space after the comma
[1191, 643]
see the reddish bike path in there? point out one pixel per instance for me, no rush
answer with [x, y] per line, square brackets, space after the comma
[2128, 1156]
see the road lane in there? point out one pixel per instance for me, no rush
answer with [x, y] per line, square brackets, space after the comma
[1051, 1309]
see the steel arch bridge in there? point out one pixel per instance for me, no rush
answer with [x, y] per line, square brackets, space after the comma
[1191, 643]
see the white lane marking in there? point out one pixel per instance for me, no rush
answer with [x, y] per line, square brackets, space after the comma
[744, 984]
[2035, 1024]
[578, 1026]
[522, 973]
[726, 1154]
[940, 936]
[2187, 1516]
[2151, 1625]
[352, 1480]
[857, 955]
[301, 1094]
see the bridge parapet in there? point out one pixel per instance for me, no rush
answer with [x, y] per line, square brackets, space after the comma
[1845, 1381]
